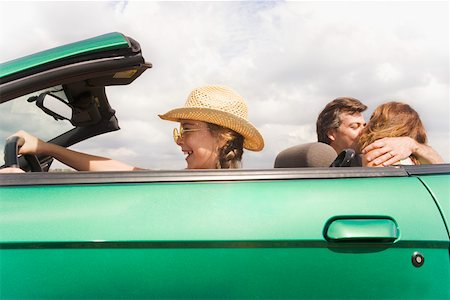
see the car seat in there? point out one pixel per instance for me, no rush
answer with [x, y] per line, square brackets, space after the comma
[315, 154]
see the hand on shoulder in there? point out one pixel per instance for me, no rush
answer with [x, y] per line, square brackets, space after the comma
[388, 151]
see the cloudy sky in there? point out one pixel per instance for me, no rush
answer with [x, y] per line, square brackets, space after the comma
[288, 59]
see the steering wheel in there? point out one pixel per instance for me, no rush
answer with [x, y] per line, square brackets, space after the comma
[12, 158]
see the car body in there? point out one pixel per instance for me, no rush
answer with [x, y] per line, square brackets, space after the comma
[306, 233]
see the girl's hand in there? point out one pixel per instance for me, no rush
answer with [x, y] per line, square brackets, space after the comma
[30, 143]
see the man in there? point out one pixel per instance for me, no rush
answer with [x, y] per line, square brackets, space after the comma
[340, 124]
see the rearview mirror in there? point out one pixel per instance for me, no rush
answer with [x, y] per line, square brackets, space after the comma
[54, 106]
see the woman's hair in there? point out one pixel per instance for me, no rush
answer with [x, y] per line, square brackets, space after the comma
[230, 155]
[393, 119]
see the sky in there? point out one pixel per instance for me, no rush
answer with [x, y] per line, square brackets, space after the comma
[287, 59]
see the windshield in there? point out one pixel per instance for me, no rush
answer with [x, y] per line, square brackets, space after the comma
[20, 114]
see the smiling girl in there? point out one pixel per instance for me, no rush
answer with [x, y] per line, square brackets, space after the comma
[214, 128]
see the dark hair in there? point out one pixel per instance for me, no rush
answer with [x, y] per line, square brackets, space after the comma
[329, 117]
[230, 155]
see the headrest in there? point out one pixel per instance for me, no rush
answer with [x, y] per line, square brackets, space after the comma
[306, 155]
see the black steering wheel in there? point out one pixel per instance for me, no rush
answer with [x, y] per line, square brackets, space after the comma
[12, 156]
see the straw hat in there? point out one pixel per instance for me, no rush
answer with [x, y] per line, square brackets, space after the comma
[221, 106]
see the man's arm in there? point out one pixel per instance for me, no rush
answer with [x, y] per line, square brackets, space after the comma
[387, 151]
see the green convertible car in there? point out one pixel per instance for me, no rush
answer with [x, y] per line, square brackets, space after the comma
[313, 232]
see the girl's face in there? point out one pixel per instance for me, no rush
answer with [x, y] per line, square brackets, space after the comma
[199, 145]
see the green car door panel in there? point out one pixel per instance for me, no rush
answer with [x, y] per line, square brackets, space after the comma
[212, 211]
[439, 187]
[222, 273]
[230, 239]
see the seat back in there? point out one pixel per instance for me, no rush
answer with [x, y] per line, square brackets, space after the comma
[306, 155]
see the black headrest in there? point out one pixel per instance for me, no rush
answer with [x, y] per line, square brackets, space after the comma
[306, 155]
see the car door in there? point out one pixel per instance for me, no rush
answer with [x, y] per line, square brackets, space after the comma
[311, 234]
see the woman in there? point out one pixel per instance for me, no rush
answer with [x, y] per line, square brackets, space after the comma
[214, 130]
[394, 119]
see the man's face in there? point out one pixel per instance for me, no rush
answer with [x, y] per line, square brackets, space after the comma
[347, 134]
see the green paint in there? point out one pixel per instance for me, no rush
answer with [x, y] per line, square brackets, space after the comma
[289, 210]
[104, 42]
[439, 187]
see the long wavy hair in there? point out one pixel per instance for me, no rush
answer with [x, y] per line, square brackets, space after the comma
[393, 119]
[230, 155]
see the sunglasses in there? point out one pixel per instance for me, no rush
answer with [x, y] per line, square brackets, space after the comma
[179, 134]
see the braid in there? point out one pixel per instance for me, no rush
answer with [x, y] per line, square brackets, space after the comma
[230, 155]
